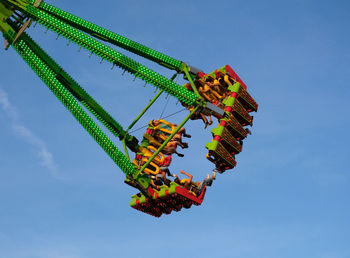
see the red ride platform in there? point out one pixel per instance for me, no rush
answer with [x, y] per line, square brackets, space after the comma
[166, 200]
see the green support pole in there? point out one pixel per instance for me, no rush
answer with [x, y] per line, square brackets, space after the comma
[137, 119]
[148, 106]
[166, 142]
[54, 22]
[140, 115]
[111, 37]
[111, 55]
[125, 149]
[80, 94]
[144, 110]
[48, 76]
[185, 69]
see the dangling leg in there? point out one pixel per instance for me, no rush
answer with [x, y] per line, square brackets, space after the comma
[205, 120]
[177, 139]
[165, 180]
[183, 145]
[171, 150]
[183, 132]
[210, 120]
[207, 181]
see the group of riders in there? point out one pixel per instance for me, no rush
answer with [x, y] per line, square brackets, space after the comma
[158, 170]
[212, 90]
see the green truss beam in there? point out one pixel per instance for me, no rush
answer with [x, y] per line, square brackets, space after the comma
[111, 37]
[111, 55]
[81, 95]
[33, 58]
[69, 91]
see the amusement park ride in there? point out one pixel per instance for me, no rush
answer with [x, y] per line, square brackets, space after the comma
[221, 94]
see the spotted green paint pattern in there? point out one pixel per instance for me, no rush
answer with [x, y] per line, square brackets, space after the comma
[111, 55]
[111, 37]
[48, 76]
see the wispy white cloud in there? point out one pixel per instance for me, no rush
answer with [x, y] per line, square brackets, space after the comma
[7, 107]
[43, 154]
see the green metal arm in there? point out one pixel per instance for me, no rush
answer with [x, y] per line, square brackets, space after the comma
[148, 106]
[49, 77]
[62, 23]
[166, 141]
[188, 76]
[55, 23]
[111, 37]
[144, 110]
[81, 95]
[111, 55]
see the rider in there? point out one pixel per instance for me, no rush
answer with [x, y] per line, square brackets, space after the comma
[198, 186]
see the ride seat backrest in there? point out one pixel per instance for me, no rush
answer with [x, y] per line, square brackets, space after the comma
[165, 126]
[149, 151]
[152, 141]
[152, 168]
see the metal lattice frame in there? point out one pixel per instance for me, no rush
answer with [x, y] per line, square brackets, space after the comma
[68, 91]
[49, 77]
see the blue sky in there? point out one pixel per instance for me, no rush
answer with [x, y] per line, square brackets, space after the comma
[62, 197]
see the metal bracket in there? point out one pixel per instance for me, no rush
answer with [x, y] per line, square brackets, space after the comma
[21, 30]
[193, 70]
[37, 3]
[141, 183]
[211, 109]
[186, 70]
